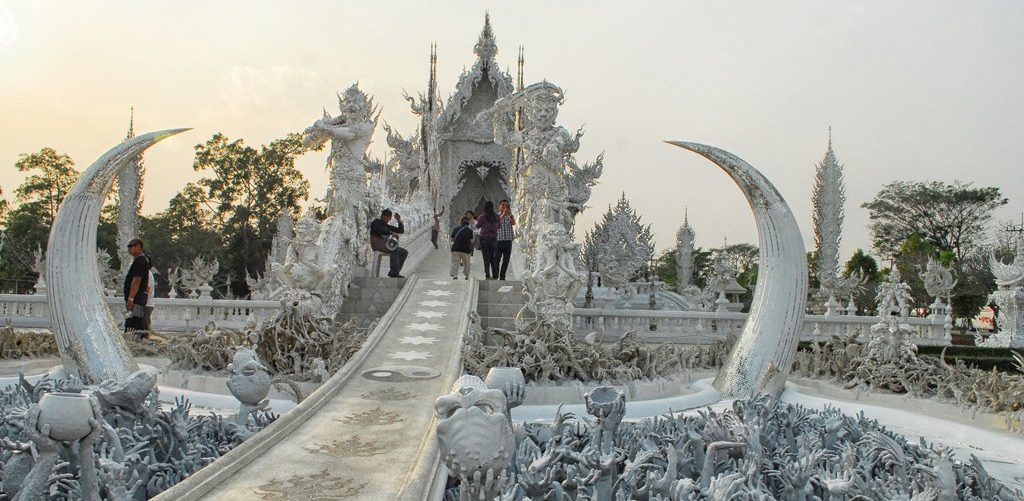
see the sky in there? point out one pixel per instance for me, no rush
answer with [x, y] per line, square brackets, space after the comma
[913, 90]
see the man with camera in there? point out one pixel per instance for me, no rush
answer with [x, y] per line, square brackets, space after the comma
[384, 238]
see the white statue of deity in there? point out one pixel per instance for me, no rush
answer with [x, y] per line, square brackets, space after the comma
[322, 257]
[303, 267]
[546, 213]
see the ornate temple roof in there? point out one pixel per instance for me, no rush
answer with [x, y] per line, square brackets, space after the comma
[485, 49]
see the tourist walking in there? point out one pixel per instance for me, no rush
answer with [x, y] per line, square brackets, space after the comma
[471, 217]
[503, 249]
[136, 287]
[434, 230]
[488, 224]
[462, 247]
[380, 230]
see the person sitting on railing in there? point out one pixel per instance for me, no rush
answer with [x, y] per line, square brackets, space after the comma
[380, 232]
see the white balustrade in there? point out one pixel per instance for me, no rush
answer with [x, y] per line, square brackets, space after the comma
[699, 327]
[180, 314]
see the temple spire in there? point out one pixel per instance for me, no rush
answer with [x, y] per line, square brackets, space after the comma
[485, 47]
[432, 82]
[828, 199]
[522, 60]
[131, 124]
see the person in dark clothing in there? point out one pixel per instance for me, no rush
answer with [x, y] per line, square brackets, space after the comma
[136, 285]
[503, 248]
[462, 245]
[380, 230]
[434, 230]
[489, 224]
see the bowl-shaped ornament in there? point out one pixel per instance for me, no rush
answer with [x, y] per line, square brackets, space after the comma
[68, 415]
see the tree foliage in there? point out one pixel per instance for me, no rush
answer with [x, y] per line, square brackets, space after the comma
[49, 177]
[862, 264]
[248, 190]
[951, 217]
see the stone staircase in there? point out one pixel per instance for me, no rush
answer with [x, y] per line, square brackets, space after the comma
[498, 303]
[368, 299]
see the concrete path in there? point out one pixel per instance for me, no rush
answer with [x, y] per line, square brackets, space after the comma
[367, 433]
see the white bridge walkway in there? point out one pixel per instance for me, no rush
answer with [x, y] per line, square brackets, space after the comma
[366, 433]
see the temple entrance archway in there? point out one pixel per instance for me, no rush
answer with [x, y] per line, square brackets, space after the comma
[479, 181]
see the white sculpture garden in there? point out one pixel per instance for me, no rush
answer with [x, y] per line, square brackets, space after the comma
[320, 384]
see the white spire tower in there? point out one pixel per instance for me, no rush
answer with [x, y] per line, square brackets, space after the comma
[129, 196]
[828, 199]
[684, 253]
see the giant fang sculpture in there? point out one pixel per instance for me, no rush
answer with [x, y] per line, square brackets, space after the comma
[765, 350]
[90, 344]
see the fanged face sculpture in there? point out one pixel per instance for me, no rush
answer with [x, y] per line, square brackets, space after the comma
[543, 110]
[473, 431]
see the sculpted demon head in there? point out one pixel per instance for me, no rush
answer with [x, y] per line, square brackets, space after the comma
[249, 381]
[472, 428]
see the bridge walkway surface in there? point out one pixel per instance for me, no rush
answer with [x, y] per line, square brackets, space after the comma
[367, 432]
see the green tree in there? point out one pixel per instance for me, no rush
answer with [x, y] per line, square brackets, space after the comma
[862, 264]
[247, 192]
[951, 217]
[50, 175]
[665, 268]
[702, 264]
[912, 259]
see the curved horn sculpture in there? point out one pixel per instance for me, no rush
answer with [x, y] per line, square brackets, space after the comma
[765, 350]
[89, 340]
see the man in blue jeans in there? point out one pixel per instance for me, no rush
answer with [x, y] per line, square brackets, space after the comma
[503, 250]
[380, 230]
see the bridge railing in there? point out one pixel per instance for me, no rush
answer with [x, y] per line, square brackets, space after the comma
[178, 314]
[698, 327]
[185, 314]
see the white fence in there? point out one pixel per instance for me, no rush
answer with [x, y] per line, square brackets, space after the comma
[31, 311]
[698, 327]
[186, 314]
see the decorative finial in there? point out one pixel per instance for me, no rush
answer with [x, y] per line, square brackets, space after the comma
[485, 47]
[686, 215]
[131, 124]
[522, 60]
[830, 137]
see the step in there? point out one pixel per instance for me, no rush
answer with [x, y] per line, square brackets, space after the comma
[498, 310]
[494, 285]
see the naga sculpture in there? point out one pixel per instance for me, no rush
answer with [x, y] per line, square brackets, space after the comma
[767, 346]
[90, 343]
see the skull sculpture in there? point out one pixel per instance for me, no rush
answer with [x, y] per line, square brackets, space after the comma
[472, 428]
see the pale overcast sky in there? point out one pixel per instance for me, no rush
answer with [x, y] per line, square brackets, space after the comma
[914, 90]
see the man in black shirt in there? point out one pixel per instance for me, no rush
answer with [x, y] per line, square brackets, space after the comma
[380, 230]
[136, 283]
